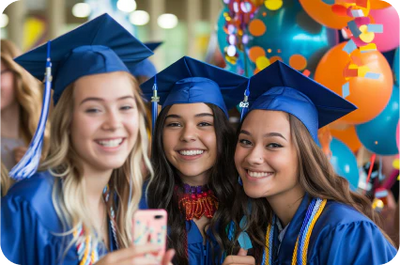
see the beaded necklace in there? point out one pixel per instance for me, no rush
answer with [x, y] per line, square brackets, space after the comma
[88, 253]
[314, 210]
[196, 201]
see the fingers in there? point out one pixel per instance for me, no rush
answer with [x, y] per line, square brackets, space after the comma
[239, 260]
[167, 259]
[242, 252]
[128, 255]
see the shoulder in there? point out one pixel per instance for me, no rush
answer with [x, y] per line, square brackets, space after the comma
[33, 194]
[336, 213]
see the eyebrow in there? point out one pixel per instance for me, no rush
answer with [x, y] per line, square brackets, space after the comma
[100, 99]
[271, 134]
[197, 115]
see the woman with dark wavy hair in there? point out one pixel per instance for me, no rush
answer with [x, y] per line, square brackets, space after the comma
[297, 209]
[192, 154]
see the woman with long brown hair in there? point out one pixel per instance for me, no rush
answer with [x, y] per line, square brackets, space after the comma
[192, 154]
[21, 99]
[297, 209]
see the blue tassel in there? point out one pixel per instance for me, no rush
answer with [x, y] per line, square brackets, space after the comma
[244, 105]
[154, 105]
[30, 161]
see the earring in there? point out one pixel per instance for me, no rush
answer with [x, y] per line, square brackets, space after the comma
[240, 181]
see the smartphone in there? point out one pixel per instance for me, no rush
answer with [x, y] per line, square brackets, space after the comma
[150, 227]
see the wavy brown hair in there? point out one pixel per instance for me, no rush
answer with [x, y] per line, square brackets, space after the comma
[29, 94]
[316, 177]
[160, 192]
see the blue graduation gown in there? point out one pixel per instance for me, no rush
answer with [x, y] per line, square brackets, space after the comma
[198, 253]
[342, 235]
[29, 223]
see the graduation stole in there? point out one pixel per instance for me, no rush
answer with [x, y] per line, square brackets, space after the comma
[314, 210]
[87, 252]
[196, 201]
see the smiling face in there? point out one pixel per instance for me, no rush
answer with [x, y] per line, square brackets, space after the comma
[189, 141]
[265, 156]
[105, 120]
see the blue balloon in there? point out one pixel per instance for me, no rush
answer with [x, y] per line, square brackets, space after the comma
[396, 71]
[344, 162]
[291, 31]
[379, 134]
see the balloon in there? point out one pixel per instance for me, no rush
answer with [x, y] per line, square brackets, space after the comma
[396, 71]
[369, 95]
[323, 14]
[389, 38]
[344, 162]
[379, 134]
[398, 135]
[348, 136]
[378, 4]
[288, 34]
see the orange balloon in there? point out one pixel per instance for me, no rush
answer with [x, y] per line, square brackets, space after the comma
[348, 136]
[257, 27]
[378, 4]
[323, 14]
[255, 52]
[369, 95]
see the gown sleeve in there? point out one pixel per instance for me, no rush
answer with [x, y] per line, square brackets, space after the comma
[357, 243]
[24, 239]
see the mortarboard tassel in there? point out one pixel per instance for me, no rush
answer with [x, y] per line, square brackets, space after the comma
[154, 105]
[30, 161]
[244, 105]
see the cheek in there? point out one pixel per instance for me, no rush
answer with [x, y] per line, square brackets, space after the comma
[210, 140]
[239, 157]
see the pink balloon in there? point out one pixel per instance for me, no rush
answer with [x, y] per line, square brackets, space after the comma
[389, 38]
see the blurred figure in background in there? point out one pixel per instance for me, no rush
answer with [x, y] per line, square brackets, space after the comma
[21, 101]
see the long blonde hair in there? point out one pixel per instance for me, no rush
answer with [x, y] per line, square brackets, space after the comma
[6, 181]
[29, 96]
[70, 201]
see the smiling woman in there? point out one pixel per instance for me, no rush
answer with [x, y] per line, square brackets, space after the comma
[297, 210]
[79, 206]
[192, 154]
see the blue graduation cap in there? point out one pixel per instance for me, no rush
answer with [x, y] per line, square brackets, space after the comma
[191, 81]
[282, 88]
[98, 46]
[146, 67]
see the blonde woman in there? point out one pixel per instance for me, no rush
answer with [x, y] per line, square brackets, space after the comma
[78, 208]
[21, 98]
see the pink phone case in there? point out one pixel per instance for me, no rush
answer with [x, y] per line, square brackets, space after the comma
[150, 227]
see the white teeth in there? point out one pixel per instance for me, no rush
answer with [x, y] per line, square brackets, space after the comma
[191, 152]
[258, 174]
[110, 143]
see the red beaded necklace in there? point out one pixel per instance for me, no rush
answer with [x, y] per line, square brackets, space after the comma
[196, 201]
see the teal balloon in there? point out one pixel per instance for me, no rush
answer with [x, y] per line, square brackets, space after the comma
[344, 162]
[396, 71]
[291, 31]
[379, 134]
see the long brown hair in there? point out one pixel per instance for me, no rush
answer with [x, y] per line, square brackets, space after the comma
[29, 96]
[316, 177]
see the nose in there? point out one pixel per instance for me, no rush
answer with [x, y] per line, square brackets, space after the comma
[112, 121]
[256, 155]
[189, 133]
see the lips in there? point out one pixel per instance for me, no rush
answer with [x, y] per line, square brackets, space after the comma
[115, 142]
[192, 152]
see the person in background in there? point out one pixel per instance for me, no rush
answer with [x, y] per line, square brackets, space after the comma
[21, 98]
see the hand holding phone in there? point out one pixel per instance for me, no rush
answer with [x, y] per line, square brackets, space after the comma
[150, 227]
